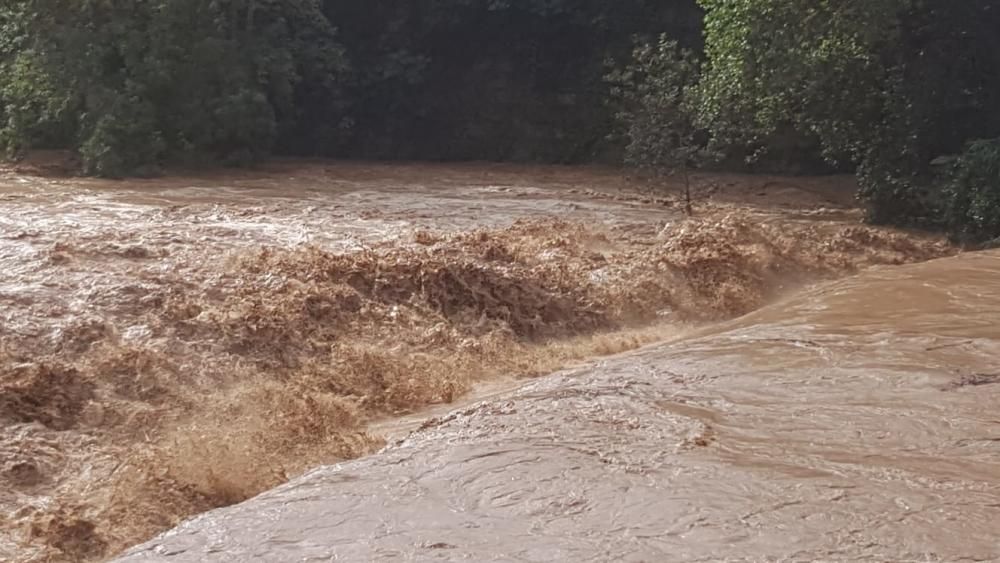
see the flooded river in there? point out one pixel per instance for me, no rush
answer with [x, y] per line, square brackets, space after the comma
[855, 421]
[809, 389]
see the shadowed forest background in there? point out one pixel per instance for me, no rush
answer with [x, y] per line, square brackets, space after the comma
[905, 93]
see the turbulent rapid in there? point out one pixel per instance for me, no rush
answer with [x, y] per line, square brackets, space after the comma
[178, 345]
[855, 421]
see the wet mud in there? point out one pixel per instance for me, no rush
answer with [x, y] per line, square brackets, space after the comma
[175, 345]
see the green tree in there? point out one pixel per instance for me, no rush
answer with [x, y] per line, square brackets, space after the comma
[654, 94]
[883, 85]
[134, 82]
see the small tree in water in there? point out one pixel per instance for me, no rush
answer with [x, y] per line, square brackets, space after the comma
[657, 115]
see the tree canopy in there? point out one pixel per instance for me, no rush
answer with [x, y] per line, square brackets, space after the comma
[885, 86]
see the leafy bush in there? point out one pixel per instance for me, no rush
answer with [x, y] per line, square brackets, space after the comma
[124, 139]
[972, 196]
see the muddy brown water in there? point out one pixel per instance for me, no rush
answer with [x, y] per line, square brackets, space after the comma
[88, 263]
[184, 224]
[855, 421]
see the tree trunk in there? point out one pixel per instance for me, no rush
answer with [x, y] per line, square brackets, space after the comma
[687, 191]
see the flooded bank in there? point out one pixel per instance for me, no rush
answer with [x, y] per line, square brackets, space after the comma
[176, 345]
[855, 421]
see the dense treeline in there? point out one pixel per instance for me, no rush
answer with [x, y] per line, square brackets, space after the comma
[130, 83]
[492, 79]
[905, 92]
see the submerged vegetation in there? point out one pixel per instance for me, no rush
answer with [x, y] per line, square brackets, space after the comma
[884, 88]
